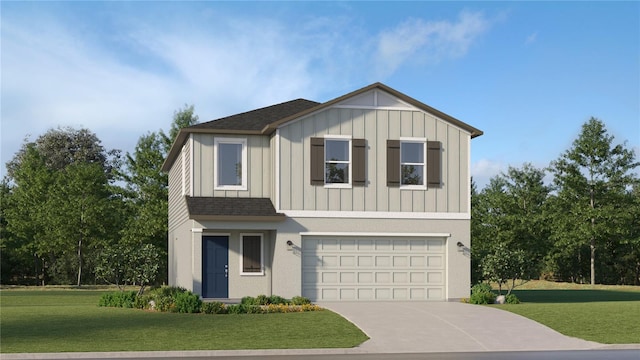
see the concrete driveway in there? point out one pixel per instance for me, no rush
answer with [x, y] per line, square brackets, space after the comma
[397, 327]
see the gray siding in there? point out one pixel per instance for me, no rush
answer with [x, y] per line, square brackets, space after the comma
[376, 126]
[178, 213]
[258, 167]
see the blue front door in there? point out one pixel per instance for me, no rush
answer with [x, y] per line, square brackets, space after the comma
[215, 267]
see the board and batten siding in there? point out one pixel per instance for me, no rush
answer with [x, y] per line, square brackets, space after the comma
[376, 126]
[258, 167]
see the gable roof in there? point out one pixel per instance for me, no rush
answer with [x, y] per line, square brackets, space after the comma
[257, 120]
[265, 121]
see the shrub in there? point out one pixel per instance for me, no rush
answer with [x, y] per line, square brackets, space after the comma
[300, 300]
[481, 287]
[215, 307]
[236, 309]
[277, 300]
[482, 294]
[187, 302]
[310, 307]
[142, 302]
[512, 299]
[124, 299]
[251, 309]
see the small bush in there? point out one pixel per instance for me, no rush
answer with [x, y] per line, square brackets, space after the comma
[300, 300]
[142, 302]
[124, 299]
[187, 302]
[215, 307]
[277, 300]
[310, 307]
[512, 299]
[482, 294]
[481, 288]
[236, 309]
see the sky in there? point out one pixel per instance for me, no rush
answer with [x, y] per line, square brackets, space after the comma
[528, 74]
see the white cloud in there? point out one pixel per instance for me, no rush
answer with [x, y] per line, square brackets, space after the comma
[484, 169]
[431, 41]
[127, 79]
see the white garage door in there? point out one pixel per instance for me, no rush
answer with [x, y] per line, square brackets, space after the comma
[345, 268]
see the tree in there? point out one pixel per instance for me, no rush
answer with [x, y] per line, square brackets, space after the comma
[59, 187]
[78, 209]
[147, 186]
[504, 266]
[509, 218]
[591, 179]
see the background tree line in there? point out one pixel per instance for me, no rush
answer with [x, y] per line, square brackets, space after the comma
[73, 212]
[583, 226]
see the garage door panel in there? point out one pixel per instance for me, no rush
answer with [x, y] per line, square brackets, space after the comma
[373, 269]
[435, 262]
[383, 245]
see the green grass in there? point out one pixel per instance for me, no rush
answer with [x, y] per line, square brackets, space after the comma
[70, 321]
[604, 314]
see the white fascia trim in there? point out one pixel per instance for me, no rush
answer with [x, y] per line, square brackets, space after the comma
[376, 215]
[196, 230]
[469, 174]
[191, 168]
[277, 169]
[373, 234]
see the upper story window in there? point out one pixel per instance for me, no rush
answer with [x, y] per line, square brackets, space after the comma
[230, 168]
[412, 163]
[337, 159]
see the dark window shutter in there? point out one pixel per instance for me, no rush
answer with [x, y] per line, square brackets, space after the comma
[317, 161]
[251, 254]
[359, 160]
[434, 164]
[393, 162]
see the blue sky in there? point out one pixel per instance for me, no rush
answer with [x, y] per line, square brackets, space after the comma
[528, 74]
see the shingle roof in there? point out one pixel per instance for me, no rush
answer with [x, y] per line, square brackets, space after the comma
[265, 121]
[258, 119]
[219, 208]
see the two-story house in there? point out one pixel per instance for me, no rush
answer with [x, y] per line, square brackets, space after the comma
[364, 197]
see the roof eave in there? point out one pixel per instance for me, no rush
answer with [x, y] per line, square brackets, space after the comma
[243, 218]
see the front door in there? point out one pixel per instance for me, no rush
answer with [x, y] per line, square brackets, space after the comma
[215, 267]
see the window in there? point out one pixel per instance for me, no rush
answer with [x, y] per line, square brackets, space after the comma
[412, 164]
[251, 261]
[337, 157]
[230, 170]
[338, 161]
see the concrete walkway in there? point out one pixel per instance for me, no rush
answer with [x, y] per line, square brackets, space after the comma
[404, 327]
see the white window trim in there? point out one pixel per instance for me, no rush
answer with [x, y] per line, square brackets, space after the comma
[422, 141]
[227, 140]
[348, 185]
[242, 235]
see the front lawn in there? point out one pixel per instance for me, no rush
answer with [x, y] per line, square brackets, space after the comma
[604, 314]
[70, 320]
